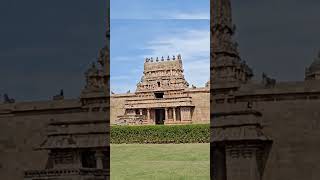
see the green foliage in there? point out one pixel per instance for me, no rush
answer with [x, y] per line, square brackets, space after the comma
[160, 134]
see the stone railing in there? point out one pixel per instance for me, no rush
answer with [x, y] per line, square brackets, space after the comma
[153, 100]
[130, 119]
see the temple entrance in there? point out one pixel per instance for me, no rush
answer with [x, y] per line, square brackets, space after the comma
[160, 116]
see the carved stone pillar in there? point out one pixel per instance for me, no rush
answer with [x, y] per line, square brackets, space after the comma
[148, 115]
[188, 113]
[140, 111]
[99, 159]
[166, 114]
[242, 162]
[174, 114]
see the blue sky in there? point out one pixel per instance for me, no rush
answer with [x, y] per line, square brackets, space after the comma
[148, 28]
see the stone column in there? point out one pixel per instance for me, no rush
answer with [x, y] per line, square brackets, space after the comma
[99, 159]
[140, 110]
[166, 117]
[174, 114]
[148, 114]
[188, 114]
[242, 162]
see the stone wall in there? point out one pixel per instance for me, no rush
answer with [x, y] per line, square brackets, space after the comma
[19, 136]
[294, 128]
[23, 130]
[201, 100]
[117, 102]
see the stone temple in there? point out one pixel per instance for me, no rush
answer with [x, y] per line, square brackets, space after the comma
[162, 96]
[61, 138]
[260, 130]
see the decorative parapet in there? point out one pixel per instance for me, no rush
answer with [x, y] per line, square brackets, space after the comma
[151, 65]
[157, 59]
[153, 103]
[60, 173]
[134, 119]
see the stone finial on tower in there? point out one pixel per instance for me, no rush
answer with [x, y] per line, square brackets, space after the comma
[162, 58]
[147, 59]
[168, 58]
[179, 56]
[224, 48]
[174, 58]
[151, 59]
[222, 13]
[157, 59]
[313, 71]
[6, 99]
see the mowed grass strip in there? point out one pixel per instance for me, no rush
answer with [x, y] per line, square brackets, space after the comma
[160, 161]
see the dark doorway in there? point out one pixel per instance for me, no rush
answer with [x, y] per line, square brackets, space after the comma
[160, 116]
[218, 156]
[158, 94]
[88, 159]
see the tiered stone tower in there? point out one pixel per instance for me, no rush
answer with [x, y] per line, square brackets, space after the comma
[239, 146]
[160, 97]
[162, 75]
[78, 145]
[78, 142]
[227, 68]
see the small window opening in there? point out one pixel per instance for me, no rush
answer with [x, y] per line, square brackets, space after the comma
[88, 159]
[158, 84]
[158, 94]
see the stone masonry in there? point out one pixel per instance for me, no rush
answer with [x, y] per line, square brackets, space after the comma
[162, 96]
[260, 130]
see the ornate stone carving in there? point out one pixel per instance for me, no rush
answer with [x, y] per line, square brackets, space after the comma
[162, 86]
[227, 66]
[162, 75]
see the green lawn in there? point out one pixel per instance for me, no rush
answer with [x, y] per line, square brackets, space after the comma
[160, 162]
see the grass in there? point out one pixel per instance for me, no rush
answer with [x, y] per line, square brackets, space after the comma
[160, 161]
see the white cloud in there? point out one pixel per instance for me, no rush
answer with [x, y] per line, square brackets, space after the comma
[123, 83]
[122, 86]
[192, 15]
[194, 47]
[121, 77]
[121, 59]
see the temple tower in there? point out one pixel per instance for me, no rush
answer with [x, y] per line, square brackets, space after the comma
[162, 74]
[227, 68]
[160, 97]
[78, 144]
